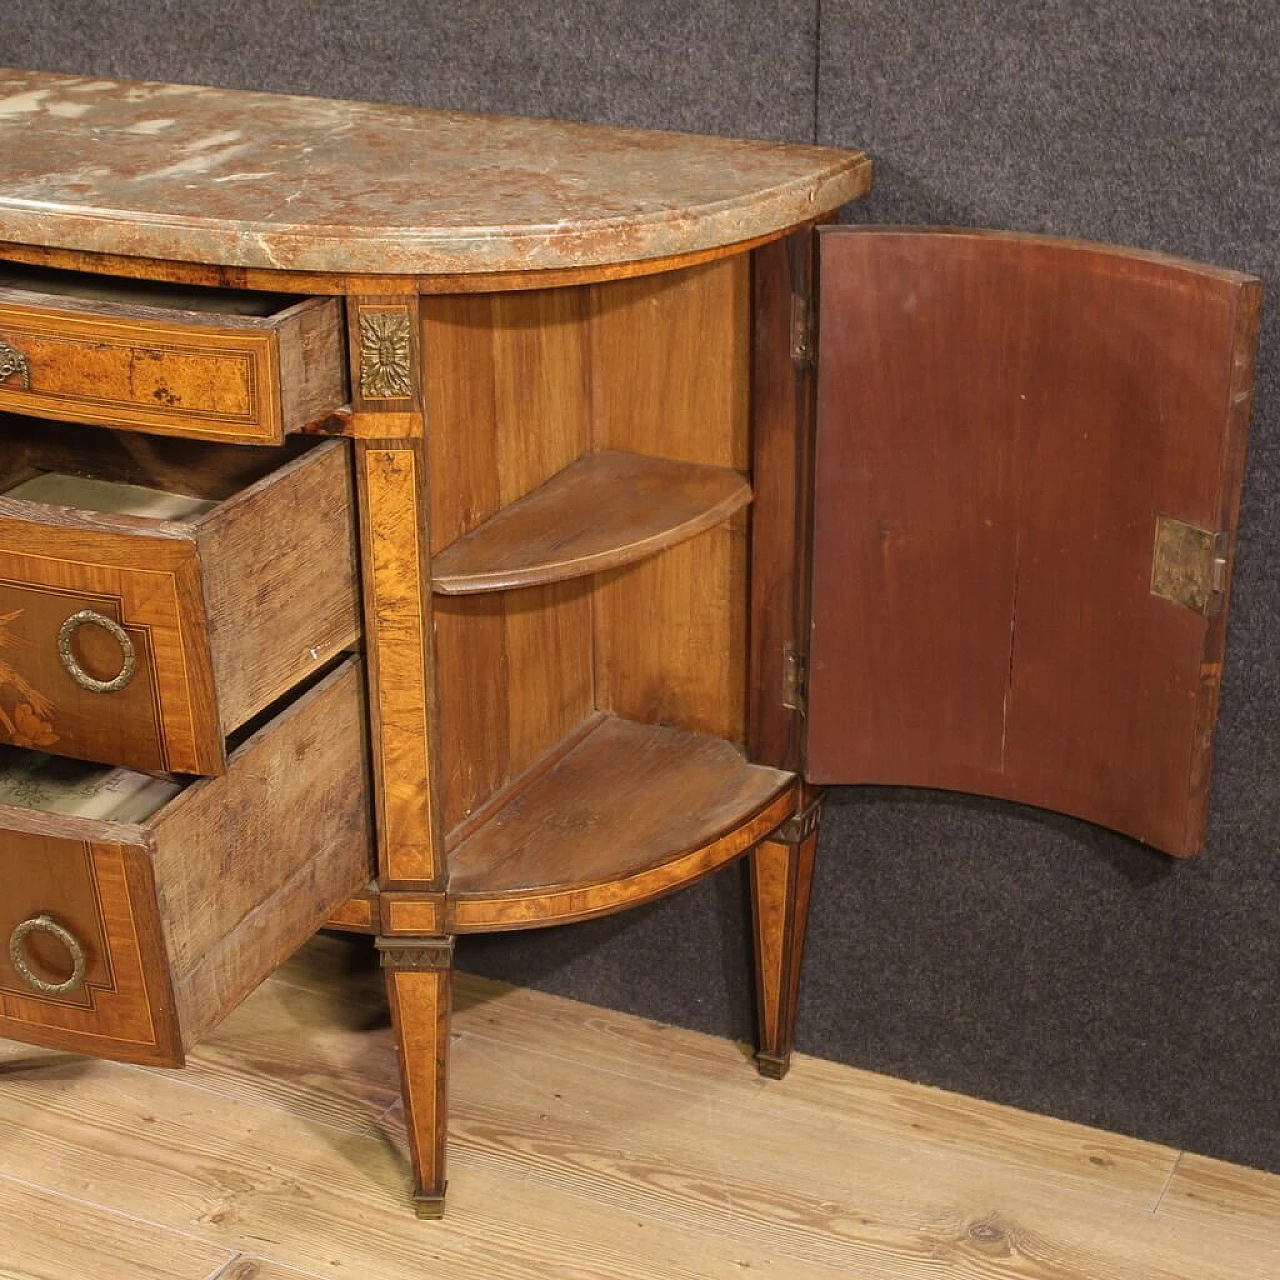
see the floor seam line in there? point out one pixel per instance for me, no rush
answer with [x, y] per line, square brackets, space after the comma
[1167, 1182]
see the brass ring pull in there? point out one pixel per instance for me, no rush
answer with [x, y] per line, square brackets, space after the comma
[77, 672]
[45, 924]
[13, 361]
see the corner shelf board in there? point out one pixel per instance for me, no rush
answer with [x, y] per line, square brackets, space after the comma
[606, 510]
[619, 814]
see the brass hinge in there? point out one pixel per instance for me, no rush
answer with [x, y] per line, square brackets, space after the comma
[1189, 565]
[795, 680]
[802, 352]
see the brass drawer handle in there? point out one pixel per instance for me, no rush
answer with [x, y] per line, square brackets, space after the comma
[13, 361]
[77, 672]
[45, 924]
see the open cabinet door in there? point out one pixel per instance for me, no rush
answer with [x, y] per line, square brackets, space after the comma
[1028, 464]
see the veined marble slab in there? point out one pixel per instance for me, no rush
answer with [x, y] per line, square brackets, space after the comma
[262, 180]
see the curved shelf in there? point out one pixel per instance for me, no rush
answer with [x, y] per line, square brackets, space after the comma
[604, 511]
[627, 813]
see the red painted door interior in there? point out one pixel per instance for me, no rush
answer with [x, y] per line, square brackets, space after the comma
[1028, 465]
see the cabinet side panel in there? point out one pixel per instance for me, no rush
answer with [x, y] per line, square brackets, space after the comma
[671, 636]
[281, 581]
[508, 406]
[507, 399]
[671, 359]
[250, 865]
[515, 678]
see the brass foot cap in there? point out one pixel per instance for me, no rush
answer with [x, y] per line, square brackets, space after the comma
[429, 1208]
[771, 1066]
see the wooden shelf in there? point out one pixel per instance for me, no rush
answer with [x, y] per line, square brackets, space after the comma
[606, 510]
[622, 813]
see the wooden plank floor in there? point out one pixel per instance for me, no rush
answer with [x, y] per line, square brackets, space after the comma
[584, 1144]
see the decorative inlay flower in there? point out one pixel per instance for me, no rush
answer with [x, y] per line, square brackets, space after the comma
[384, 355]
[31, 724]
[29, 729]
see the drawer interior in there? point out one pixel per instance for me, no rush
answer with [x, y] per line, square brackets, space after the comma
[64, 464]
[53, 283]
[108, 497]
[75, 788]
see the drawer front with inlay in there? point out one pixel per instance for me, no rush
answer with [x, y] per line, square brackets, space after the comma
[81, 950]
[139, 626]
[211, 364]
[135, 913]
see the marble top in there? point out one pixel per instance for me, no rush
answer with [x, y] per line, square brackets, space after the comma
[261, 180]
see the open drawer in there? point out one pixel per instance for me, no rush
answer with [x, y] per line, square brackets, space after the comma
[156, 594]
[135, 913]
[209, 364]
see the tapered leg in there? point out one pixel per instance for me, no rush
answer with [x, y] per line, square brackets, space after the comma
[781, 879]
[419, 989]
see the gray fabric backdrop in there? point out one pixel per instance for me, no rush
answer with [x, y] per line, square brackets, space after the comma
[995, 950]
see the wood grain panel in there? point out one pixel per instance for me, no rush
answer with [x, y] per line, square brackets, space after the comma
[548, 665]
[515, 678]
[475, 701]
[670, 366]
[1001, 422]
[671, 636]
[397, 610]
[295, 811]
[281, 580]
[507, 399]
[670, 363]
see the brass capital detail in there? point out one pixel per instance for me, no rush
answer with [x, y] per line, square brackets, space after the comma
[386, 346]
[426, 955]
[800, 826]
